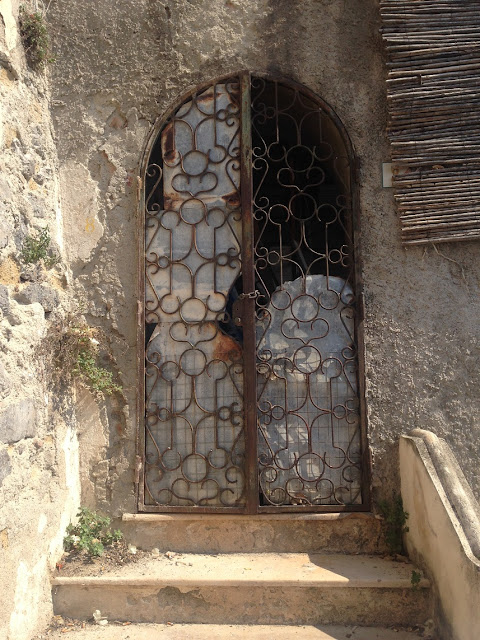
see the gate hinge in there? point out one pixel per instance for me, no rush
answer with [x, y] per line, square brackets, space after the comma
[356, 169]
[138, 468]
[361, 308]
[139, 186]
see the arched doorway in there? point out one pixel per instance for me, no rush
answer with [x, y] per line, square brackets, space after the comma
[251, 366]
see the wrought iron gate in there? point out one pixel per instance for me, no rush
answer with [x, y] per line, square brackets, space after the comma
[251, 384]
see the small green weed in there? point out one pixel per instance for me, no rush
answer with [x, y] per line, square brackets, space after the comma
[395, 519]
[35, 38]
[91, 534]
[92, 374]
[72, 350]
[415, 579]
[36, 248]
[78, 356]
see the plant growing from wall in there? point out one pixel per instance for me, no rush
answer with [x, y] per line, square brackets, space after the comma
[35, 38]
[72, 351]
[91, 534]
[35, 248]
[395, 523]
[94, 376]
[79, 354]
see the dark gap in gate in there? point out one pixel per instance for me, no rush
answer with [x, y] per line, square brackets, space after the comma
[301, 188]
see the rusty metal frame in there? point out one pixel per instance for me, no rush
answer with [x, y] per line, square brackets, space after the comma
[249, 336]
[141, 440]
[355, 220]
[249, 350]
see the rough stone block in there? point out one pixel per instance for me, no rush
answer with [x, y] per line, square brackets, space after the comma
[4, 230]
[5, 466]
[42, 294]
[37, 203]
[4, 299]
[31, 273]
[5, 384]
[17, 146]
[28, 168]
[5, 191]
[18, 421]
[6, 62]
[44, 174]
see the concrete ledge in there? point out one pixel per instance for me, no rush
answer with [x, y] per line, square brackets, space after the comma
[232, 632]
[455, 485]
[332, 583]
[283, 533]
[320, 517]
[248, 569]
[249, 605]
[250, 589]
[444, 531]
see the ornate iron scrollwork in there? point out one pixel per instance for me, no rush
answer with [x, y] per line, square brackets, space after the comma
[302, 306]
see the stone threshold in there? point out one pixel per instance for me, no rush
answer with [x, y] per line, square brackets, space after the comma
[352, 532]
[269, 517]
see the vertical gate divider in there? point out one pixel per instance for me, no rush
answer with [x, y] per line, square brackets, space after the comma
[248, 312]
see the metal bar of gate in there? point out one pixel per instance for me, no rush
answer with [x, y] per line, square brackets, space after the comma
[248, 276]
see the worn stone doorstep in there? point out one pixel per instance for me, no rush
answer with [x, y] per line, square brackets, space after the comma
[232, 632]
[294, 569]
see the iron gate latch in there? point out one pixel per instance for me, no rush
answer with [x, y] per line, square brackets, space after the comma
[238, 306]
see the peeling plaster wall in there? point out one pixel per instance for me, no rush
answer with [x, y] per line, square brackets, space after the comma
[39, 475]
[119, 65]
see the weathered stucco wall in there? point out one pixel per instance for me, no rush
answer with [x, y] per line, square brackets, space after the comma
[119, 65]
[39, 479]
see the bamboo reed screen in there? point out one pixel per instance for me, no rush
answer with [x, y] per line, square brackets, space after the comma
[433, 81]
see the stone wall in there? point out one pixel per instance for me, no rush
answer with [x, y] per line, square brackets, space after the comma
[39, 478]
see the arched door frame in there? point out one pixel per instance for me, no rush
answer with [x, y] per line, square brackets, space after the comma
[160, 122]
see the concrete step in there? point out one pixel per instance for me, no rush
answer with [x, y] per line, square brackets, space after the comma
[229, 632]
[250, 589]
[280, 533]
